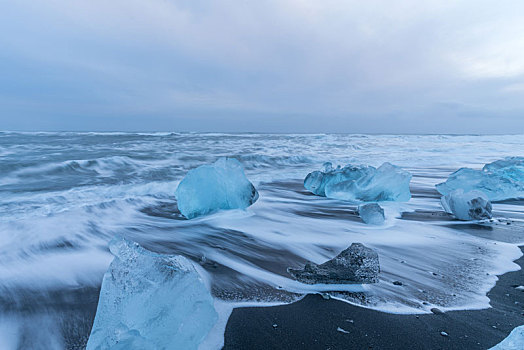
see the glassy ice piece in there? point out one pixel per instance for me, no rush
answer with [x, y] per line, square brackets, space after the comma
[317, 180]
[511, 167]
[514, 341]
[150, 301]
[211, 187]
[361, 183]
[371, 213]
[500, 180]
[472, 205]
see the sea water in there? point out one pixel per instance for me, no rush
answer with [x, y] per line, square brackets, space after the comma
[64, 196]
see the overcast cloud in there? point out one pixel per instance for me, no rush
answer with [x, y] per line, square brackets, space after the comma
[271, 66]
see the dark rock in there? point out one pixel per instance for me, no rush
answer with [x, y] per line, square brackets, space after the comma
[356, 264]
[480, 208]
[437, 311]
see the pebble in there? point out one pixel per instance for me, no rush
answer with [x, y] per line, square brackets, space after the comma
[437, 311]
[325, 296]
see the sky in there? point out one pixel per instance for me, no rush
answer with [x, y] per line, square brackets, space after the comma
[292, 66]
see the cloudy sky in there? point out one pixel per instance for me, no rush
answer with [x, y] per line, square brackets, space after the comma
[270, 65]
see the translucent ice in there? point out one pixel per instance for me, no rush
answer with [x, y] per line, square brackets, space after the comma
[472, 205]
[500, 180]
[150, 301]
[211, 187]
[514, 341]
[361, 183]
[371, 213]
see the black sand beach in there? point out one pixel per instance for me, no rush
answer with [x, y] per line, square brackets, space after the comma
[312, 323]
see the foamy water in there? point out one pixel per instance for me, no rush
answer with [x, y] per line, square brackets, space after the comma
[65, 195]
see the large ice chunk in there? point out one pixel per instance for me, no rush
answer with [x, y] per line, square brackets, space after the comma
[211, 187]
[371, 213]
[514, 341]
[150, 301]
[500, 180]
[472, 205]
[360, 183]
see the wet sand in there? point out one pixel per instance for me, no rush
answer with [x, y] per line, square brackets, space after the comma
[317, 323]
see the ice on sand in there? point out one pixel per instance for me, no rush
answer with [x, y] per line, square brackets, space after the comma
[371, 213]
[514, 341]
[211, 187]
[500, 180]
[150, 301]
[361, 183]
[472, 205]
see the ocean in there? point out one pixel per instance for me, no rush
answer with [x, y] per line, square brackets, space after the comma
[64, 196]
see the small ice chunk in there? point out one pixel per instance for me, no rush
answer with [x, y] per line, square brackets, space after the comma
[211, 187]
[473, 205]
[342, 330]
[360, 183]
[371, 213]
[150, 301]
[500, 180]
[514, 341]
[356, 264]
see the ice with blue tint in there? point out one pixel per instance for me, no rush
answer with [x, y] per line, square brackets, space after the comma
[361, 183]
[514, 341]
[150, 301]
[472, 205]
[211, 187]
[500, 180]
[371, 213]
[317, 180]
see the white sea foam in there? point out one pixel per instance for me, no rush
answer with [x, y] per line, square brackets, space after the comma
[65, 195]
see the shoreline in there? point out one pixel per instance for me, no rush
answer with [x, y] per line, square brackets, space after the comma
[316, 323]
